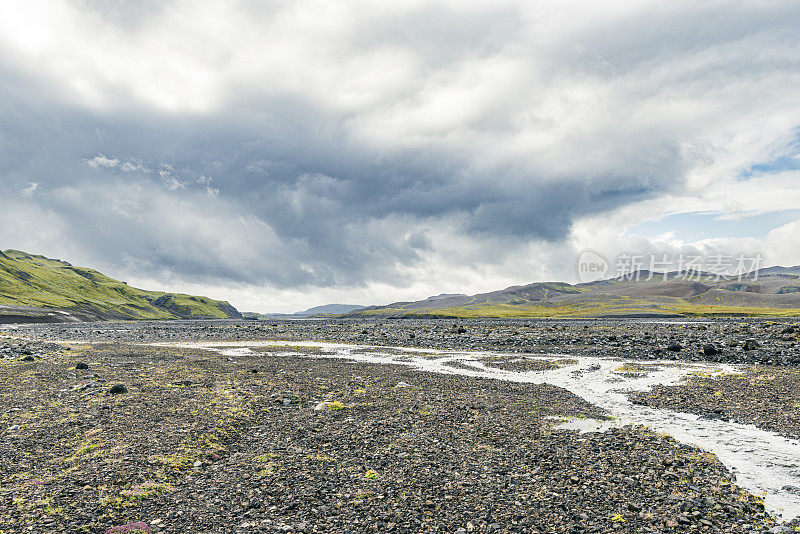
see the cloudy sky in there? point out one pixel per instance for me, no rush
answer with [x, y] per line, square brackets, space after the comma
[288, 154]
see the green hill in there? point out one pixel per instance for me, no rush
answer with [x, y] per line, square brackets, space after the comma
[36, 287]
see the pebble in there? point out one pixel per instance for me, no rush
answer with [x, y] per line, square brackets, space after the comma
[118, 389]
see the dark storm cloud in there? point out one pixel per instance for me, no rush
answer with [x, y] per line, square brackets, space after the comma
[290, 161]
[307, 227]
[319, 195]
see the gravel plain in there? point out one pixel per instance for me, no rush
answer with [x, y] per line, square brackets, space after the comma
[196, 441]
[746, 341]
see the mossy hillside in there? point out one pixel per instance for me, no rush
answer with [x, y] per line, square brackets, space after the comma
[774, 292]
[617, 307]
[33, 280]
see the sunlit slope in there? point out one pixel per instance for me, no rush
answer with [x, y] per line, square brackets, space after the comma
[36, 281]
[770, 292]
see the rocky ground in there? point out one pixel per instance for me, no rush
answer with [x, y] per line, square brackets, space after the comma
[24, 350]
[167, 440]
[117, 437]
[754, 341]
[522, 364]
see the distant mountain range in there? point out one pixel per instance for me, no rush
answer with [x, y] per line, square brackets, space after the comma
[326, 309]
[773, 291]
[38, 289]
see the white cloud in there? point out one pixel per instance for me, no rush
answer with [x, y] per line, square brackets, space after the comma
[100, 160]
[133, 166]
[31, 189]
[170, 181]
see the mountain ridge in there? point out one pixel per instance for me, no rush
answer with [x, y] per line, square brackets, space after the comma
[771, 291]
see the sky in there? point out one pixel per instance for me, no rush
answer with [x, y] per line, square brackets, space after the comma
[282, 155]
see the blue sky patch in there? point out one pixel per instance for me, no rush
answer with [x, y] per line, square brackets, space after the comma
[697, 225]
